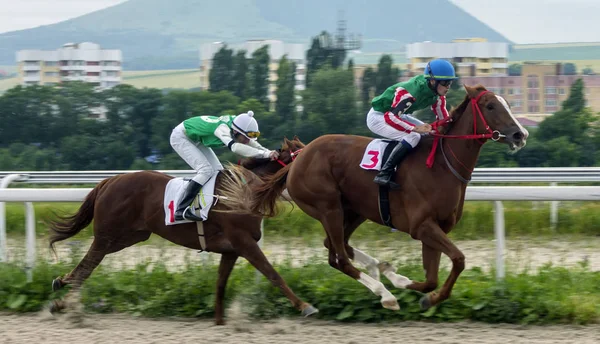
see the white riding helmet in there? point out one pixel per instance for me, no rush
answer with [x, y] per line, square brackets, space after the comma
[246, 125]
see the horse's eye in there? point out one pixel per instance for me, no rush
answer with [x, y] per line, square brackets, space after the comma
[490, 106]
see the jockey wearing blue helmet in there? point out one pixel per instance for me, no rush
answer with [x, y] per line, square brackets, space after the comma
[389, 116]
[441, 72]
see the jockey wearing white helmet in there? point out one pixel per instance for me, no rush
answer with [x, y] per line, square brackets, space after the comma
[193, 138]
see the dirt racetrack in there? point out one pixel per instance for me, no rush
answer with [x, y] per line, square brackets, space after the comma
[43, 328]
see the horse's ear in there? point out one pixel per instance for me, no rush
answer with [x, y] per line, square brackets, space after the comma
[471, 91]
[296, 138]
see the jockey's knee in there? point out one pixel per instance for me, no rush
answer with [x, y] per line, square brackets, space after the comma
[203, 174]
[412, 139]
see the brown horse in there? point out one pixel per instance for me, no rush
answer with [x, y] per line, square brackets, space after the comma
[128, 208]
[328, 184]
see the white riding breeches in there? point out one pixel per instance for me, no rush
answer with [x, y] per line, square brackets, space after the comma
[202, 159]
[376, 123]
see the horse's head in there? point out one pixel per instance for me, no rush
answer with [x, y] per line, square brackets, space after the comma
[290, 149]
[287, 153]
[491, 115]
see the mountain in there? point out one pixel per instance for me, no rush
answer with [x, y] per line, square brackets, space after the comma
[162, 34]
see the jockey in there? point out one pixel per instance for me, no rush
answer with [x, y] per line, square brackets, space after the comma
[388, 117]
[192, 140]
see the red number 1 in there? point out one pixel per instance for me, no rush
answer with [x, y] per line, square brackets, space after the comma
[172, 211]
[374, 159]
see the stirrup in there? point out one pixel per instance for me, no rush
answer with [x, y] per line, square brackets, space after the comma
[190, 216]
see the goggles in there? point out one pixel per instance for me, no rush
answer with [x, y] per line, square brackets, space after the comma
[445, 83]
[253, 134]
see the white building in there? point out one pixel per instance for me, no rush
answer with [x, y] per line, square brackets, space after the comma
[473, 56]
[73, 62]
[295, 52]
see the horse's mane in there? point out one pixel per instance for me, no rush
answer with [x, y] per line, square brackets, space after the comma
[457, 111]
[252, 163]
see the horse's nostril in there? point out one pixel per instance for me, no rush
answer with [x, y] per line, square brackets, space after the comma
[518, 136]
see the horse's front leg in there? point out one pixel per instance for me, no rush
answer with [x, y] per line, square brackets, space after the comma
[431, 264]
[434, 241]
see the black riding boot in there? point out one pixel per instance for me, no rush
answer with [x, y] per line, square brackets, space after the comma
[385, 175]
[184, 210]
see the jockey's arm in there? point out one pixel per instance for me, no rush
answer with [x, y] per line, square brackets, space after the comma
[255, 144]
[223, 132]
[439, 108]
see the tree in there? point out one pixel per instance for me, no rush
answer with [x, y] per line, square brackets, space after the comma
[569, 69]
[286, 84]
[221, 74]
[322, 53]
[387, 75]
[239, 82]
[367, 87]
[588, 71]
[259, 75]
[514, 69]
[330, 104]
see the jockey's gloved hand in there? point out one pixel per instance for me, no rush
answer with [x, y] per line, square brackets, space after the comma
[274, 155]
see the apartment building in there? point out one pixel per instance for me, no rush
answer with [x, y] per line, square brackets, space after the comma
[540, 89]
[277, 49]
[472, 56]
[85, 62]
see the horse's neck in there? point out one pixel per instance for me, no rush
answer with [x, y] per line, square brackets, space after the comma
[266, 169]
[462, 154]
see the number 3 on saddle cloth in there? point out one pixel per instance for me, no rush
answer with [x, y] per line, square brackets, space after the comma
[376, 153]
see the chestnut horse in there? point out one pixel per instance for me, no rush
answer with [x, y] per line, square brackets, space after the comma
[328, 184]
[128, 208]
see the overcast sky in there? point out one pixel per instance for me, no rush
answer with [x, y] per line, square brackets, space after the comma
[522, 21]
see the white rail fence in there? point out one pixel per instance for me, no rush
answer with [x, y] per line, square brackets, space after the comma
[474, 193]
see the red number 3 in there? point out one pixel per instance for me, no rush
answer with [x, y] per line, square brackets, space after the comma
[374, 159]
[172, 211]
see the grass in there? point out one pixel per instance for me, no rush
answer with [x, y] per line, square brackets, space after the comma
[549, 295]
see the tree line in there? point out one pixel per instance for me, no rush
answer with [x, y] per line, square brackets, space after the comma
[54, 127]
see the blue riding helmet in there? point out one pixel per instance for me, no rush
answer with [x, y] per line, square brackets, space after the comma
[440, 70]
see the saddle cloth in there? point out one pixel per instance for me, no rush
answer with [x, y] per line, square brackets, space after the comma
[376, 154]
[201, 205]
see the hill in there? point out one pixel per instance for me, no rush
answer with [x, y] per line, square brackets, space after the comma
[162, 34]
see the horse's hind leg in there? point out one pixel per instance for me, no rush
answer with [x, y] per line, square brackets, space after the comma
[225, 267]
[99, 248]
[76, 277]
[332, 218]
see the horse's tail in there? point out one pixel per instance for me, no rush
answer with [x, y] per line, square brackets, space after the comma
[256, 199]
[64, 227]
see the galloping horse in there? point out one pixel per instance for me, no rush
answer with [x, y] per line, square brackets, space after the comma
[128, 208]
[328, 184]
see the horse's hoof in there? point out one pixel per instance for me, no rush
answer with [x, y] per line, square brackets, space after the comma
[56, 284]
[54, 307]
[310, 310]
[425, 302]
[391, 305]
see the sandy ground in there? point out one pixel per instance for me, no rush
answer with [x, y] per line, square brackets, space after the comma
[42, 328]
[519, 254]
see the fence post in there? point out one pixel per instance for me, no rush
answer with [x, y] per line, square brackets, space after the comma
[499, 232]
[4, 183]
[30, 239]
[553, 211]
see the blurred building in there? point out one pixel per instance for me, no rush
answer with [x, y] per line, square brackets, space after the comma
[85, 62]
[277, 49]
[472, 56]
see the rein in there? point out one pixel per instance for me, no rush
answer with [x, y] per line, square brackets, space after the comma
[293, 154]
[494, 135]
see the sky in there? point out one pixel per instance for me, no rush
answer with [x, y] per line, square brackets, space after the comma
[521, 21]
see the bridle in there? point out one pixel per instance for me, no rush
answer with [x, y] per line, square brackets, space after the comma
[494, 135]
[293, 155]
